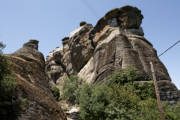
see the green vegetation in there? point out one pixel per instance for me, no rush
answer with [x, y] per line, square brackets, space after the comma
[119, 99]
[55, 92]
[1, 47]
[123, 97]
[7, 82]
[7, 87]
[93, 102]
[128, 75]
[71, 89]
[24, 103]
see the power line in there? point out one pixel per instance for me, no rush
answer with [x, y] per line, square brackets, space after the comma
[169, 48]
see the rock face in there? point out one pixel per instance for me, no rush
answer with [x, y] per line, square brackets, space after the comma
[116, 42]
[81, 48]
[33, 85]
[73, 56]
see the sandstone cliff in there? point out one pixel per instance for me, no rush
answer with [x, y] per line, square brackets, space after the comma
[117, 41]
[33, 89]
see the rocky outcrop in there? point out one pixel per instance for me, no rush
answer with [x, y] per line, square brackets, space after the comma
[33, 90]
[116, 42]
[81, 48]
[72, 57]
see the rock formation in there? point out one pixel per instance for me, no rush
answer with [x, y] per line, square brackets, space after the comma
[117, 41]
[33, 85]
[73, 56]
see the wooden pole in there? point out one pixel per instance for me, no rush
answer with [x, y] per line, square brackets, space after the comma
[157, 92]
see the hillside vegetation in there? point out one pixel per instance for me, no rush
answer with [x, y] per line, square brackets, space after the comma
[122, 98]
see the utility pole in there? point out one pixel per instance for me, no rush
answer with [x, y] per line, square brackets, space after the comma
[157, 92]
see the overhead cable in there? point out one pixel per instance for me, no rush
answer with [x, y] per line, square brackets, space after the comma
[169, 48]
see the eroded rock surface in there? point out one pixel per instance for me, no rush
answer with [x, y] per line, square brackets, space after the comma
[72, 57]
[33, 85]
[81, 47]
[116, 42]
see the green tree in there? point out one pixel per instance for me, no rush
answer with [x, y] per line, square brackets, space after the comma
[71, 89]
[128, 75]
[93, 102]
[123, 104]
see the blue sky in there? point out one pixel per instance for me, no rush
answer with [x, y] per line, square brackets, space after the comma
[50, 20]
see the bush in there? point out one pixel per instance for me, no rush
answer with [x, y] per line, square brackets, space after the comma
[93, 102]
[55, 92]
[128, 75]
[123, 104]
[144, 90]
[71, 89]
[176, 110]
[130, 78]
[172, 111]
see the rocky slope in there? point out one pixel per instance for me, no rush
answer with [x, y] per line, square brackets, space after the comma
[33, 92]
[117, 41]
